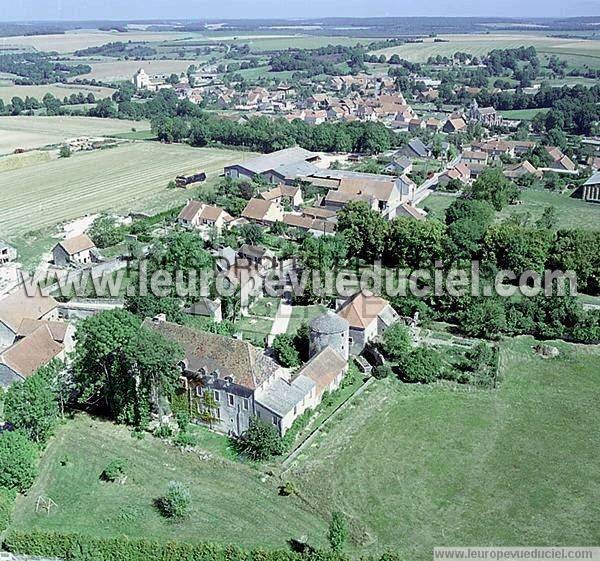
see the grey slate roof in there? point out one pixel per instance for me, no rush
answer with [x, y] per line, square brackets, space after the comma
[296, 169]
[277, 159]
[594, 180]
[281, 397]
[329, 322]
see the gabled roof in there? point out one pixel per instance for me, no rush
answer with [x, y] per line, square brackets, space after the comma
[594, 180]
[31, 353]
[418, 147]
[256, 209]
[324, 368]
[362, 310]
[249, 366]
[58, 329]
[277, 159]
[280, 396]
[190, 211]
[75, 245]
[18, 306]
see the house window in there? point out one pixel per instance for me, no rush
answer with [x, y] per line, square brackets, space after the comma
[198, 391]
[230, 400]
[246, 404]
[217, 396]
[275, 420]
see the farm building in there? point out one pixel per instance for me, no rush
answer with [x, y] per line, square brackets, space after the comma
[281, 166]
[18, 307]
[75, 251]
[7, 253]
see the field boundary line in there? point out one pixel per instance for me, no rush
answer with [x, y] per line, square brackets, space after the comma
[287, 463]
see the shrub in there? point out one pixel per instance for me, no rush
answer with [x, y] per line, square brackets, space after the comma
[421, 365]
[260, 441]
[184, 439]
[114, 470]
[286, 353]
[338, 531]
[7, 500]
[287, 489]
[32, 406]
[396, 341]
[18, 459]
[183, 420]
[176, 502]
[163, 431]
[382, 371]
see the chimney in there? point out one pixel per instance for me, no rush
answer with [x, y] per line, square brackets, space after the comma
[159, 318]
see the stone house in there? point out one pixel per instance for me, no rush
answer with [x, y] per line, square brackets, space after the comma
[18, 307]
[226, 381]
[200, 216]
[25, 357]
[368, 316]
[76, 251]
[262, 212]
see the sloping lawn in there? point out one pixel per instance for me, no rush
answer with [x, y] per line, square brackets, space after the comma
[414, 467]
[230, 502]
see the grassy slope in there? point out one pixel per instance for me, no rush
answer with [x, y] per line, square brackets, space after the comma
[132, 177]
[35, 132]
[57, 90]
[416, 467]
[230, 502]
[572, 213]
[481, 44]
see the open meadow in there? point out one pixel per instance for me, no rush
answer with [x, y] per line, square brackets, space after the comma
[411, 467]
[570, 212]
[230, 502]
[131, 177]
[81, 39]
[415, 467]
[57, 90]
[35, 132]
[481, 44]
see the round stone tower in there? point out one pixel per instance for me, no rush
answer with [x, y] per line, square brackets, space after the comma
[329, 330]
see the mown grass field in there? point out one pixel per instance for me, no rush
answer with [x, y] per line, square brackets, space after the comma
[571, 213]
[75, 40]
[414, 467]
[230, 502]
[36, 132]
[483, 43]
[522, 114]
[57, 90]
[131, 177]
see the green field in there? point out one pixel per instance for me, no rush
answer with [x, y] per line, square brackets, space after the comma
[57, 90]
[81, 39]
[415, 467]
[230, 502]
[522, 114]
[132, 177]
[298, 41]
[36, 132]
[571, 213]
[481, 44]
